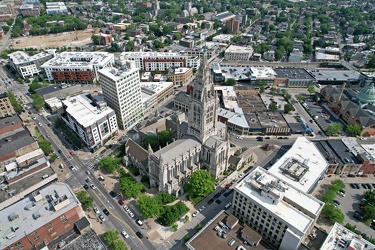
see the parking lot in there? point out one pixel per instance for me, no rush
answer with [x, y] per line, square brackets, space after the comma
[323, 115]
[350, 202]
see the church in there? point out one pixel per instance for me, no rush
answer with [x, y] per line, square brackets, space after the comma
[201, 142]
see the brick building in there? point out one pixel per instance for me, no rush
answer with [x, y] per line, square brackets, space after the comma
[6, 108]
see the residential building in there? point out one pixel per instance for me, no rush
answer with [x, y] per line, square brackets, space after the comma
[28, 66]
[104, 39]
[53, 8]
[160, 61]
[238, 53]
[93, 121]
[223, 16]
[221, 230]
[6, 108]
[222, 38]
[342, 238]
[122, 91]
[6, 11]
[39, 218]
[180, 76]
[233, 25]
[280, 212]
[77, 66]
[29, 10]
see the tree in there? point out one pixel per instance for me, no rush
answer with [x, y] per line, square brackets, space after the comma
[273, 107]
[334, 128]
[201, 183]
[119, 245]
[129, 46]
[149, 206]
[85, 198]
[109, 163]
[175, 227]
[332, 213]
[371, 62]
[45, 145]
[95, 39]
[158, 44]
[311, 89]
[130, 187]
[230, 82]
[110, 236]
[16, 105]
[186, 219]
[38, 101]
[199, 227]
[354, 129]
[288, 107]
[261, 89]
[279, 53]
[167, 30]
[177, 36]
[236, 39]
[34, 86]
[352, 228]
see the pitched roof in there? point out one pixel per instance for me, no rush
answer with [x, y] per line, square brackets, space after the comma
[140, 154]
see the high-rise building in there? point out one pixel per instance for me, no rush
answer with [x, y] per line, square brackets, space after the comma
[122, 91]
[6, 108]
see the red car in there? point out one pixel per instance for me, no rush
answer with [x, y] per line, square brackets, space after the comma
[228, 185]
[71, 153]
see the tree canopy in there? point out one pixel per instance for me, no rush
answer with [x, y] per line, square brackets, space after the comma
[200, 184]
[149, 206]
[38, 101]
[273, 107]
[311, 89]
[159, 140]
[288, 107]
[354, 129]
[129, 186]
[334, 128]
[16, 105]
[109, 163]
[86, 199]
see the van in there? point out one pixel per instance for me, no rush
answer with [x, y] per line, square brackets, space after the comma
[231, 242]
[101, 178]
[229, 204]
[139, 222]
[62, 166]
[45, 176]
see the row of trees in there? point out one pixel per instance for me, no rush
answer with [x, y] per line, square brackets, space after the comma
[154, 206]
[85, 199]
[112, 240]
[330, 211]
[73, 138]
[128, 185]
[16, 105]
[109, 163]
[368, 210]
[40, 25]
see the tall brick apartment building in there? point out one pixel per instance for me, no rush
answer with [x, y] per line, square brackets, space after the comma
[6, 108]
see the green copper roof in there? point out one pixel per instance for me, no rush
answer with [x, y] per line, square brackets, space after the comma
[367, 94]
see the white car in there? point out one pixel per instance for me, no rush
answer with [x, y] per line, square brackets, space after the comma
[93, 186]
[202, 208]
[126, 208]
[125, 234]
[96, 210]
[240, 175]
[195, 213]
[101, 217]
[131, 214]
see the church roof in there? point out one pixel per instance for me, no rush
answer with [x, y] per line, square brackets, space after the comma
[134, 149]
[367, 94]
[213, 140]
[177, 149]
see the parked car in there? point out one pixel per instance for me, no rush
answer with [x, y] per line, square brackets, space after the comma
[228, 185]
[139, 234]
[126, 208]
[336, 203]
[124, 234]
[96, 210]
[113, 194]
[364, 186]
[130, 214]
[93, 186]
[71, 153]
[369, 186]
[106, 212]
[139, 222]
[201, 208]
[85, 186]
[210, 201]
[358, 216]
[59, 151]
[195, 213]
[353, 185]
[101, 217]
[121, 202]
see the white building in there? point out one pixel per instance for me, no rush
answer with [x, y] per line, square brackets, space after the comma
[281, 213]
[263, 73]
[302, 166]
[94, 122]
[342, 238]
[77, 66]
[155, 93]
[122, 91]
[56, 8]
[238, 53]
[152, 61]
[222, 38]
[27, 66]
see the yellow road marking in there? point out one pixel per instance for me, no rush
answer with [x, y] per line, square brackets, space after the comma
[117, 217]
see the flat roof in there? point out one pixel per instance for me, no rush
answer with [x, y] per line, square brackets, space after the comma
[81, 108]
[303, 151]
[238, 49]
[29, 155]
[89, 240]
[118, 74]
[263, 72]
[9, 120]
[79, 59]
[16, 141]
[279, 198]
[18, 57]
[155, 87]
[338, 75]
[49, 89]
[293, 73]
[35, 210]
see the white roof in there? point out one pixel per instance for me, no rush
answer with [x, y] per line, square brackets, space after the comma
[155, 87]
[323, 56]
[29, 155]
[83, 111]
[18, 57]
[280, 191]
[263, 72]
[79, 59]
[54, 102]
[118, 74]
[313, 167]
[239, 120]
[30, 214]
[181, 70]
[238, 49]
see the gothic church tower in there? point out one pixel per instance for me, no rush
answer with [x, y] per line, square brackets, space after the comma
[202, 118]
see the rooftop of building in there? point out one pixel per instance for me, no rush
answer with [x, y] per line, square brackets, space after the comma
[367, 94]
[19, 57]
[263, 72]
[155, 87]
[223, 37]
[9, 120]
[239, 49]
[292, 73]
[150, 54]
[49, 89]
[117, 74]
[272, 119]
[281, 198]
[85, 110]
[177, 148]
[343, 154]
[223, 15]
[238, 73]
[79, 59]
[336, 75]
[3, 95]
[323, 56]
[208, 239]
[35, 210]
[16, 141]
[342, 238]
[180, 71]
[301, 166]
[89, 240]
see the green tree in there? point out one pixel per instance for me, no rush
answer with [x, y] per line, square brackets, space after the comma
[16, 105]
[95, 39]
[354, 129]
[334, 128]
[158, 44]
[177, 36]
[352, 228]
[288, 107]
[199, 227]
[45, 145]
[186, 219]
[129, 45]
[279, 53]
[273, 107]
[35, 85]
[175, 227]
[85, 199]
[110, 236]
[371, 62]
[230, 82]
[167, 30]
[149, 206]
[172, 213]
[201, 183]
[119, 245]
[261, 89]
[187, 238]
[236, 39]
[311, 89]
[165, 198]
[129, 186]
[10, 21]
[109, 163]
[332, 213]
[38, 101]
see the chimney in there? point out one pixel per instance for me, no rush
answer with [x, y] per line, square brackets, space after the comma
[342, 91]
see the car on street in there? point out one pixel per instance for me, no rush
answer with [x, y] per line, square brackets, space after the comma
[101, 217]
[59, 151]
[113, 194]
[86, 186]
[73, 168]
[121, 202]
[222, 191]
[130, 214]
[358, 216]
[126, 208]
[139, 222]
[195, 213]
[96, 210]
[217, 195]
[364, 186]
[228, 185]
[87, 172]
[336, 203]
[106, 212]
[240, 175]
[71, 153]
[93, 186]
[124, 234]
[139, 234]
[267, 138]
[201, 208]
[87, 180]
[210, 201]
